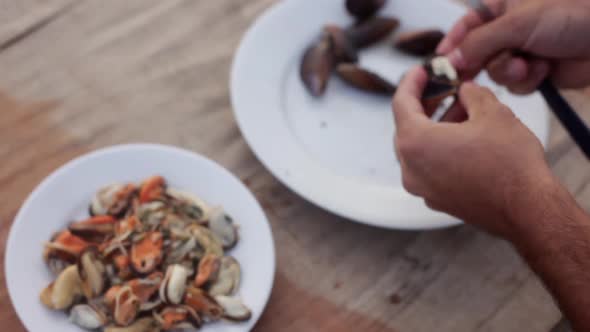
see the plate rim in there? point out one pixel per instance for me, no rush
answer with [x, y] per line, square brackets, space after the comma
[65, 167]
[431, 220]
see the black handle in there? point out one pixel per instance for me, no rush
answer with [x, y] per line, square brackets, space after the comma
[567, 116]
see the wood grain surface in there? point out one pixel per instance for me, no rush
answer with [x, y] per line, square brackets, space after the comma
[79, 75]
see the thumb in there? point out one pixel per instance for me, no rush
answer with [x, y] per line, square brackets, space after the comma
[488, 40]
[476, 100]
[407, 109]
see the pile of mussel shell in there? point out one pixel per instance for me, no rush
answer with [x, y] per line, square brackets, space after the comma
[149, 258]
[337, 49]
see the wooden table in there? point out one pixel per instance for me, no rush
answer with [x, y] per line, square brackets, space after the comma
[79, 75]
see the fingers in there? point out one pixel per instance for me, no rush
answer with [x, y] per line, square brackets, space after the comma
[506, 69]
[476, 100]
[489, 40]
[519, 75]
[458, 32]
[571, 74]
[407, 108]
[468, 22]
[538, 71]
[456, 113]
[409, 120]
[410, 182]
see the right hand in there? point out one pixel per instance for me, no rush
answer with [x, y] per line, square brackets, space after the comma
[553, 34]
[480, 170]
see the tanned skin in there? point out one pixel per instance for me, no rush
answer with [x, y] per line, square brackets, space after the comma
[490, 170]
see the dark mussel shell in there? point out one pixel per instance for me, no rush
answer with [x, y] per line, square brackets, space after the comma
[435, 93]
[365, 80]
[438, 88]
[419, 43]
[363, 9]
[94, 229]
[343, 48]
[440, 69]
[372, 31]
[317, 65]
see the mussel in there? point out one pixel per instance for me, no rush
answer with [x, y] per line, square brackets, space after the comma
[146, 290]
[65, 291]
[146, 253]
[119, 267]
[419, 43]
[94, 229]
[63, 250]
[187, 206]
[372, 31]
[362, 9]
[174, 284]
[92, 272]
[343, 49]
[228, 277]
[111, 295]
[208, 270]
[317, 64]
[365, 80]
[179, 317]
[223, 227]
[151, 189]
[233, 308]
[443, 82]
[127, 306]
[208, 241]
[127, 225]
[146, 324]
[152, 214]
[88, 316]
[112, 200]
[66, 242]
[203, 303]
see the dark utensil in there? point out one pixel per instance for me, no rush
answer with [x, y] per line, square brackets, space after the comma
[570, 120]
[568, 117]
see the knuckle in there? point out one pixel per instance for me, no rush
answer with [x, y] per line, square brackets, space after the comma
[398, 101]
[514, 19]
[487, 93]
[434, 204]
[410, 184]
[408, 146]
[520, 90]
[504, 114]
[431, 204]
[505, 109]
[497, 74]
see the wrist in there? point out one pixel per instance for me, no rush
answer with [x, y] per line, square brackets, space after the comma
[540, 212]
[552, 233]
[531, 203]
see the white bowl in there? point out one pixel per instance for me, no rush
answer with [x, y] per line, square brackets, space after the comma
[64, 195]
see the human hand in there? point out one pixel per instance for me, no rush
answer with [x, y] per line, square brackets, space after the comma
[552, 34]
[474, 170]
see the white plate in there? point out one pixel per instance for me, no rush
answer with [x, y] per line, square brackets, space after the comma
[337, 151]
[64, 196]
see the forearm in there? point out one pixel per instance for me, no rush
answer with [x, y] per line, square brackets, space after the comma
[553, 235]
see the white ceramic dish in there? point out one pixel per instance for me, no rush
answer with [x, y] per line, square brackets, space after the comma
[64, 196]
[337, 151]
